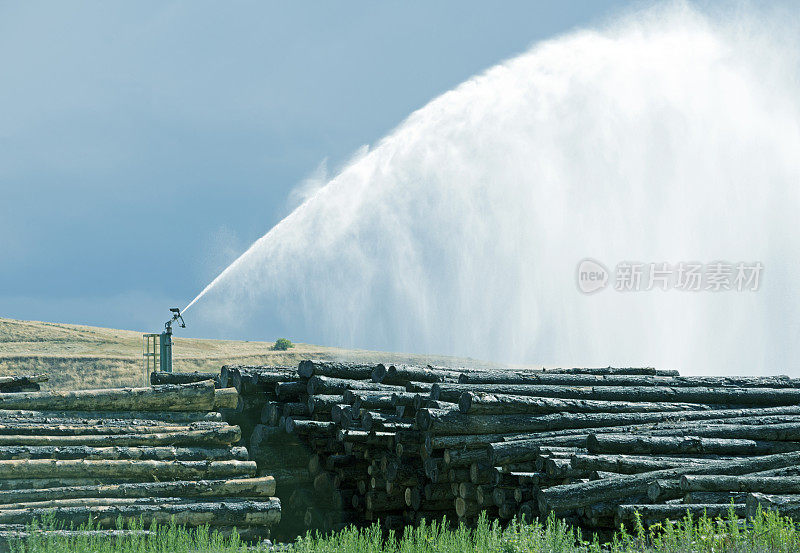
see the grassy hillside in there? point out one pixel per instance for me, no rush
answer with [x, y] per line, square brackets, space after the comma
[78, 356]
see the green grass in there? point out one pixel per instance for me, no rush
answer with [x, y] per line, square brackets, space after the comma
[767, 532]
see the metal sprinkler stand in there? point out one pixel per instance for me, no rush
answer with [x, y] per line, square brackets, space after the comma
[157, 348]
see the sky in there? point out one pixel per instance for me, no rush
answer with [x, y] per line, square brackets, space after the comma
[145, 145]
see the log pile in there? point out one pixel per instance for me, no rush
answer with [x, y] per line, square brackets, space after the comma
[358, 443]
[21, 383]
[150, 454]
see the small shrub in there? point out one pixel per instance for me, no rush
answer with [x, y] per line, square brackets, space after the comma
[282, 344]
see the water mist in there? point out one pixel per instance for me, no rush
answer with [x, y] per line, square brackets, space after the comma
[669, 136]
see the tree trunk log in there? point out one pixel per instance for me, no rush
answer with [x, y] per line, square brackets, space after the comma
[684, 445]
[240, 487]
[232, 512]
[563, 379]
[198, 396]
[329, 385]
[786, 505]
[288, 391]
[402, 374]
[702, 395]
[178, 470]
[464, 457]
[159, 378]
[217, 436]
[103, 417]
[452, 422]
[226, 398]
[572, 496]
[498, 404]
[761, 484]
[630, 464]
[162, 453]
[350, 371]
[646, 371]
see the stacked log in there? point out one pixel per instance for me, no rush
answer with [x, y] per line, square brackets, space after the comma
[596, 449]
[359, 443]
[153, 454]
[21, 383]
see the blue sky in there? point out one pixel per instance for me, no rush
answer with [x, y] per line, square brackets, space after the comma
[144, 145]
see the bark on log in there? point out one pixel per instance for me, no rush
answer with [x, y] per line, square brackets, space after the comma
[270, 413]
[572, 496]
[226, 398]
[714, 421]
[464, 457]
[76, 428]
[231, 512]
[255, 379]
[405, 399]
[702, 395]
[451, 422]
[329, 385]
[434, 442]
[238, 487]
[198, 396]
[177, 470]
[562, 379]
[101, 417]
[664, 490]
[215, 436]
[351, 371]
[761, 484]
[787, 505]
[40, 483]
[105, 501]
[165, 453]
[23, 380]
[319, 404]
[630, 464]
[306, 427]
[465, 508]
[402, 374]
[159, 378]
[288, 391]
[646, 371]
[504, 453]
[498, 404]
[288, 478]
[685, 445]
[747, 429]
[369, 400]
[715, 497]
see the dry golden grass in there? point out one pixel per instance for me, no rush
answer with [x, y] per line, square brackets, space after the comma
[76, 356]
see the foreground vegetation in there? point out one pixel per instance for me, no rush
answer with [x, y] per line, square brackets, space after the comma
[767, 532]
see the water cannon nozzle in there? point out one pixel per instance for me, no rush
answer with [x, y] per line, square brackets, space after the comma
[176, 316]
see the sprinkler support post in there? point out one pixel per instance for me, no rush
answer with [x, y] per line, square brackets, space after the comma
[165, 345]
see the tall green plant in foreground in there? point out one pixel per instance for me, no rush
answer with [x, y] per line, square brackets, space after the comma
[767, 532]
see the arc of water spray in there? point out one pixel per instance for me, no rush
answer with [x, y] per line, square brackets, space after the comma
[667, 136]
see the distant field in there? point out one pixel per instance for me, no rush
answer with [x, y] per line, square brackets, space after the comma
[78, 356]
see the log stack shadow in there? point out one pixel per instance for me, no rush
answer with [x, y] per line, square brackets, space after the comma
[360, 443]
[153, 454]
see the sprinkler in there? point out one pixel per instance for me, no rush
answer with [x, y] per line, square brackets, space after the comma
[159, 357]
[165, 345]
